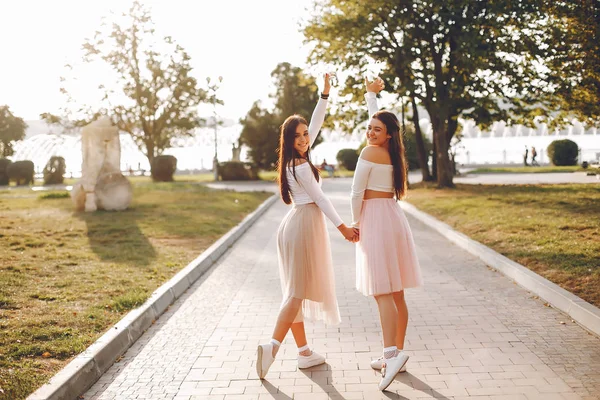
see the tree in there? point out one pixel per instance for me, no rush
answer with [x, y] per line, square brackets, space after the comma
[157, 97]
[457, 58]
[260, 134]
[296, 93]
[12, 128]
[573, 42]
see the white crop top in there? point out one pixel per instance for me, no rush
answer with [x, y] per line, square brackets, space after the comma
[372, 176]
[369, 175]
[306, 189]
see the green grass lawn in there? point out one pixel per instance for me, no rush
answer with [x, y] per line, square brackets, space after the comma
[554, 230]
[526, 170]
[66, 277]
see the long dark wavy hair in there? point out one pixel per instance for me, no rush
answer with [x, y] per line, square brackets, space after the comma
[288, 154]
[396, 150]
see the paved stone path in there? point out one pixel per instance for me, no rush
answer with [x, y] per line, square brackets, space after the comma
[473, 334]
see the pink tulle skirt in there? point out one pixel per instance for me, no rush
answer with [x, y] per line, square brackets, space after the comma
[305, 265]
[386, 258]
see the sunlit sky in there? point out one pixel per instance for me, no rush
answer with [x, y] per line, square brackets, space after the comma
[240, 40]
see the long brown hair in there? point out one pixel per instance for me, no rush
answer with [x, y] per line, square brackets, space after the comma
[288, 154]
[396, 150]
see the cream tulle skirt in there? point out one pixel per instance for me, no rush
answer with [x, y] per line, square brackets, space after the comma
[305, 265]
[386, 258]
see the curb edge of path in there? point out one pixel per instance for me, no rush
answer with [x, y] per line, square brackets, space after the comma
[584, 313]
[85, 369]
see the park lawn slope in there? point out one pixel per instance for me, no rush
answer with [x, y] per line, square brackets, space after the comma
[66, 277]
[554, 230]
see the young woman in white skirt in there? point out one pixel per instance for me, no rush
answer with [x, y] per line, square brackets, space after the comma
[303, 248]
[386, 259]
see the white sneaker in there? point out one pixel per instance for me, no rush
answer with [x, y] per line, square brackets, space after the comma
[310, 361]
[378, 363]
[391, 367]
[264, 359]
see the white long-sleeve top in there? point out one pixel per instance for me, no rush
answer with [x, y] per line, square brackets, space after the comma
[369, 175]
[304, 187]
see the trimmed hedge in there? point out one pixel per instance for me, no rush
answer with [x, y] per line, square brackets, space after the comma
[563, 152]
[54, 170]
[347, 158]
[237, 171]
[163, 168]
[4, 163]
[21, 172]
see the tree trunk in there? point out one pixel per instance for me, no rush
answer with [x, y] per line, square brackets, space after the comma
[434, 163]
[444, 165]
[452, 127]
[421, 152]
[404, 134]
[150, 153]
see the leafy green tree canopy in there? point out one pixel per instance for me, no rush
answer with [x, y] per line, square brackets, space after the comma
[471, 59]
[12, 128]
[157, 95]
[296, 93]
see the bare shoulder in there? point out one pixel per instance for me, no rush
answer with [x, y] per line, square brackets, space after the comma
[297, 161]
[375, 154]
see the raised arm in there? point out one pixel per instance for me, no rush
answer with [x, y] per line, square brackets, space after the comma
[316, 121]
[371, 96]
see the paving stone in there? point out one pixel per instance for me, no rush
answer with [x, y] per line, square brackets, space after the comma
[472, 333]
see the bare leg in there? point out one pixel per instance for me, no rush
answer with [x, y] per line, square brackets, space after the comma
[402, 318]
[299, 334]
[285, 320]
[388, 316]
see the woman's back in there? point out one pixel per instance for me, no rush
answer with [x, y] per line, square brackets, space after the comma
[380, 181]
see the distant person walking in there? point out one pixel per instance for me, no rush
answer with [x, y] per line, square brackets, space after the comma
[525, 157]
[533, 156]
[327, 167]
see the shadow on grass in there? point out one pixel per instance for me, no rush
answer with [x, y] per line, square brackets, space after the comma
[116, 237]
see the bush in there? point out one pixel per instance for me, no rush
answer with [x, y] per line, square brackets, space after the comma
[4, 163]
[54, 195]
[347, 158]
[563, 152]
[54, 171]
[237, 171]
[21, 172]
[163, 168]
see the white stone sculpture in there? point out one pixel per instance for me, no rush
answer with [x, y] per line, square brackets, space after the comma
[102, 186]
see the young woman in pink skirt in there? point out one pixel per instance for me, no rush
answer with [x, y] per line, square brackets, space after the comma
[303, 248]
[386, 259]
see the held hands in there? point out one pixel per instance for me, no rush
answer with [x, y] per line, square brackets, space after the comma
[351, 234]
[376, 86]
